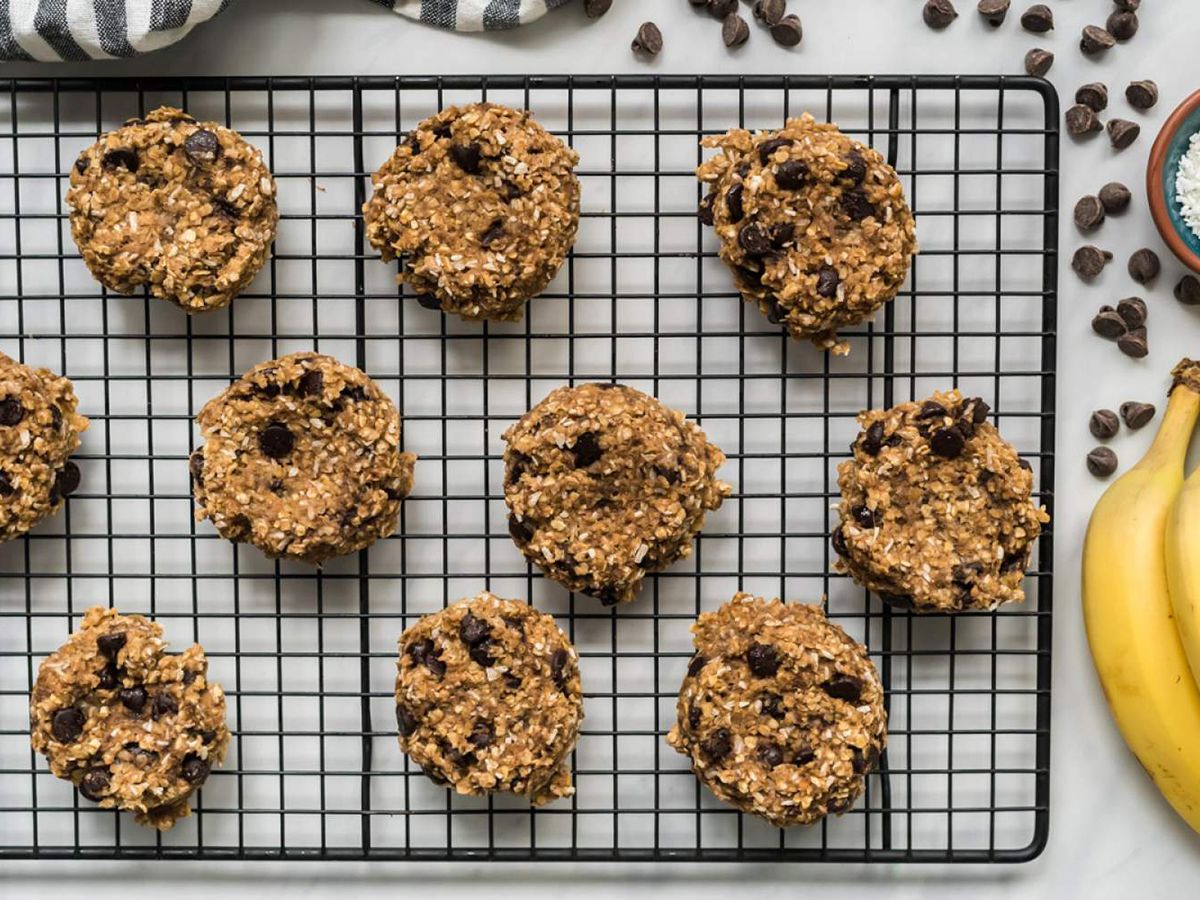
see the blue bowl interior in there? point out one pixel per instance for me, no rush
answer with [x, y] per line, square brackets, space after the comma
[1180, 141]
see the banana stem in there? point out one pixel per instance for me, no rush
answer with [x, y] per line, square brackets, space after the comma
[1171, 443]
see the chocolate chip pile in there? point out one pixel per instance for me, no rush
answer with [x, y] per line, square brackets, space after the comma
[783, 26]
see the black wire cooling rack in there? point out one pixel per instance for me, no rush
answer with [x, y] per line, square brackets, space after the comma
[307, 658]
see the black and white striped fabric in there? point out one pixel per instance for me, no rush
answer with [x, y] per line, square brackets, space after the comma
[56, 30]
[472, 15]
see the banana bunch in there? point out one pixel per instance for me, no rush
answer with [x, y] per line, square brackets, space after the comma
[1141, 602]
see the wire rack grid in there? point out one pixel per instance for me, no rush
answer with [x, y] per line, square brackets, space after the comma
[307, 658]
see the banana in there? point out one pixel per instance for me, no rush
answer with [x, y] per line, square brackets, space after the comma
[1127, 608]
[1183, 567]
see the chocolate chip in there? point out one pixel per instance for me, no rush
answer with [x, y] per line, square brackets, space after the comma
[512, 681]
[110, 644]
[1132, 311]
[1187, 291]
[480, 654]
[1038, 62]
[11, 411]
[843, 687]
[467, 157]
[856, 205]
[194, 769]
[1122, 132]
[1142, 94]
[94, 783]
[558, 667]
[1144, 266]
[67, 481]
[1093, 95]
[856, 168]
[1109, 323]
[781, 234]
[717, 745]
[719, 9]
[429, 301]
[858, 761]
[1134, 344]
[56, 417]
[772, 705]
[202, 147]
[770, 754]
[226, 209]
[472, 630]
[994, 12]
[931, 409]
[494, 232]
[594, 9]
[586, 449]
[1104, 424]
[110, 677]
[1089, 261]
[939, 13]
[67, 725]
[804, 755]
[1115, 197]
[1082, 120]
[648, 40]
[1102, 462]
[607, 596]
[828, 281]
[872, 441]
[767, 149]
[134, 698]
[520, 532]
[1136, 415]
[276, 441]
[1122, 25]
[948, 443]
[1038, 19]
[790, 175]
[697, 663]
[1128, 5]
[734, 30]
[482, 735]
[754, 239]
[788, 32]
[864, 517]
[81, 163]
[705, 210]
[1095, 40]
[163, 705]
[763, 660]
[693, 718]
[733, 203]
[670, 476]
[405, 721]
[770, 12]
[312, 383]
[510, 191]
[979, 409]
[121, 158]
[196, 467]
[838, 540]
[425, 653]
[1089, 213]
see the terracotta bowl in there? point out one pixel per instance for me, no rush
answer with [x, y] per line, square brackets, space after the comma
[1169, 148]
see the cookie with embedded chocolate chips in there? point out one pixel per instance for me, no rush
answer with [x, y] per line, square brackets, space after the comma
[301, 457]
[481, 204]
[936, 512]
[813, 225]
[39, 430]
[488, 699]
[605, 484]
[781, 712]
[131, 726]
[186, 208]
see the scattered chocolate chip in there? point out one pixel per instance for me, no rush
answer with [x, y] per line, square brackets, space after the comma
[494, 232]
[994, 12]
[948, 443]
[586, 449]
[1187, 291]
[276, 441]
[770, 12]
[1135, 415]
[110, 644]
[1102, 462]
[1089, 261]
[856, 205]
[1122, 132]
[134, 698]
[1093, 95]
[939, 13]
[1095, 40]
[11, 411]
[482, 735]
[594, 9]
[734, 30]
[1089, 213]
[1122, 25]
[473, 630]
[872, 441]
[558, 667]
[1132, 311]
[202, 147]
[1109, 323]
[717, 745]
[788, 32]
[763, 660]
[697, 663]
[1104, 424]
[312, 383]
[1142, 94]
[828, 281]
[1128, 5]
[790, 175]
[1082, 120]
[843, 687]
[405, 721]
[1115, 197]
[720, 9]
[1133, 343]
[94, 783]
[1038, 19]
[1144, 266]
[163, 705]
[649, 40]
[770, 754]
[67, 725]
[121, 158]
[1038, 62]
[194, 769]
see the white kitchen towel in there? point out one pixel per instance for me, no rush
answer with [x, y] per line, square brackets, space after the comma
[472, 15]
[55, 30]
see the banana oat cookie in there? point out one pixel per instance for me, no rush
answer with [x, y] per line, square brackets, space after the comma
[39, 430]
[132, 726]
[185, 207]
[604, 484]
[301, 457]
[481, 204]
[813, 225]
[780, 713]
[936, 512]
[488, 699]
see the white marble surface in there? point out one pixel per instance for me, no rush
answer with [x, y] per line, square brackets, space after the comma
[1111, 835]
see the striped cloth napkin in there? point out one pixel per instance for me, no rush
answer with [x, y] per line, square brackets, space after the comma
[472, 15]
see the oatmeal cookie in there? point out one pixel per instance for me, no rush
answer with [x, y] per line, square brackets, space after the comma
[780, 713]
[604, 484]
[813, 225]
[481, 203]
[301, 457]
[936, 512]
[488, 699]
[132, 726]
[185, 207]
[39, 429]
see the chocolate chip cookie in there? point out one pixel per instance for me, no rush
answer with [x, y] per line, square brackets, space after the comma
[936, 512]
[604, 484]
[184, 207]
[301, 457]
[39, 430]
[780, 713]
[131, 726]
[481, 204]
[813, 225]
[488, 699]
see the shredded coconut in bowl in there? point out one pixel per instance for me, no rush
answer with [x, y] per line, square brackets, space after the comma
[1187, 185]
